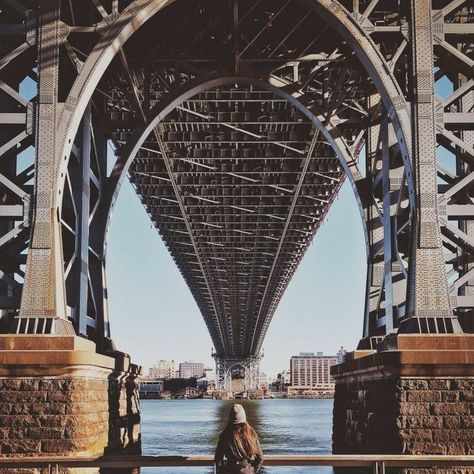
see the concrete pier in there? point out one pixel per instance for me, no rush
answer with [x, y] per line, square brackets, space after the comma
[414, 395]
[58, 397]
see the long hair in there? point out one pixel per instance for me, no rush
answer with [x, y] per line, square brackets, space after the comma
[242, 440]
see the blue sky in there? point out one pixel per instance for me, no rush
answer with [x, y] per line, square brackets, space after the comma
[153, 315]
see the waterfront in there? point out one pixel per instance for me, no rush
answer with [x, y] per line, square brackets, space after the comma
[183, 427]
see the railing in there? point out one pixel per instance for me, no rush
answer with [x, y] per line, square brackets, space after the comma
[378, 463]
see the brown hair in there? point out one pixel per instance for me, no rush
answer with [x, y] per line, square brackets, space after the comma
[242, 440]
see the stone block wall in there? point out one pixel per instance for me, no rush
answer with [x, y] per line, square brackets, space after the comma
[68, 416]
[400, 415]
[53, 416]
[364, 417]
[76, 416]
[404, 415]
[58, 397]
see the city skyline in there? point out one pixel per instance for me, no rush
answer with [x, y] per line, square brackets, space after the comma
[154, 316]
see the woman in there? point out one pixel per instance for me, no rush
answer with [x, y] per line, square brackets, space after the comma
[238, 450]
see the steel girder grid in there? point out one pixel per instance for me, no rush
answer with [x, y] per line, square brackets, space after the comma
[225, 367]
[361, 72]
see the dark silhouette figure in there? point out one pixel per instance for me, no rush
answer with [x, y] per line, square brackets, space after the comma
[238, 449]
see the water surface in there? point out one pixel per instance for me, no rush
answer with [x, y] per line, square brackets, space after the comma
[183, 427]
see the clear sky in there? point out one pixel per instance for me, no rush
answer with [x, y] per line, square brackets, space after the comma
[153, 315]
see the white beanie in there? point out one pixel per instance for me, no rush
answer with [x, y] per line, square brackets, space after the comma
[237, 415]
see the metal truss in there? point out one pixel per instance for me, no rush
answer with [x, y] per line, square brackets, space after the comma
[237, 123]
[226, 366]
[18, 49]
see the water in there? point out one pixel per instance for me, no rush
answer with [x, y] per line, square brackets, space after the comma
[183, 427]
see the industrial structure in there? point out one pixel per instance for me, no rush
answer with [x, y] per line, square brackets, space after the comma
[237, 122]
[236, 125]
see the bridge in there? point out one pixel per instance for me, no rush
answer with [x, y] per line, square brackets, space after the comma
[237, 122]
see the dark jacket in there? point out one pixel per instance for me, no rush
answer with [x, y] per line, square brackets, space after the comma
[227, 463]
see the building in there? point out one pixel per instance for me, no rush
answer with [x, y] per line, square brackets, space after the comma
[210, 374]
[191, 369]
[285, 376]
[341, 355]
[283, 381]
[150, 389]
[264, 383]
[311, 373]
[163, 369]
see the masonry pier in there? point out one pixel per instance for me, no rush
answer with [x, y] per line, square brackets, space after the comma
[59, 397]
[413, 395]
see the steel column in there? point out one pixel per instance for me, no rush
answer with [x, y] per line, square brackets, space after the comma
[43, 303]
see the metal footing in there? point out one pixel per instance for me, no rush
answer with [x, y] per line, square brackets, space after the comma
[42, 325]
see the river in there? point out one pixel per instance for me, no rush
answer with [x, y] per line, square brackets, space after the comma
[180, 427]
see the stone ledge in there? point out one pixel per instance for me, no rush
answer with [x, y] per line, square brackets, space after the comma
[413, 355]
[55, 357]
[44, 355]
[417, 342]
[35, 342]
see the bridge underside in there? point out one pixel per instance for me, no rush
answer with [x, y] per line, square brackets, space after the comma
[237, 181]
[237, 178]
[236, 121]
[228, 116]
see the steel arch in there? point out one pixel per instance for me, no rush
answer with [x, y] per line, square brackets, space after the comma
[137, 14]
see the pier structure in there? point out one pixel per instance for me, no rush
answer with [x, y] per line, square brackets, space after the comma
[237, 122]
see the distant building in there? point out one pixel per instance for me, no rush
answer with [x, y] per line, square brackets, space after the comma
[341, 355]
[191, 369]
[285, 377]
[311, 373]
[263, 382]
[210, 374]
[175, 385]
[280, 383]
[150, 389]
[163, 369]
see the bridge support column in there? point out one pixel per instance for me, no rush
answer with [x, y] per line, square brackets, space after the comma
[58, 397]
[414, 395]
[250, 366]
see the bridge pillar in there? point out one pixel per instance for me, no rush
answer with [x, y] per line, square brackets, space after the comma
[249, 365]
[413, 395]
[58, 397]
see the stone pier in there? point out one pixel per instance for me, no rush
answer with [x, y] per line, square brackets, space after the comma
[58, 397]
[414, 395]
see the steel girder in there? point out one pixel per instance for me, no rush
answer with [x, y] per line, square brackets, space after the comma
[17, 61]
[226, 366]
[363, 70]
